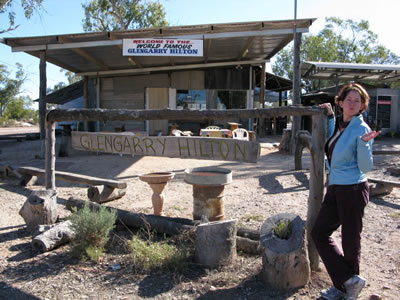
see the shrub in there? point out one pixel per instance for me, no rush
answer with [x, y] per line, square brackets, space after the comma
[283, 229]
[92, 231]
[147, 254]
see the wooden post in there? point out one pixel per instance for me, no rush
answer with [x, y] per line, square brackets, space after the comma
[50, 158]
[86, 97]
[42, 99]
[261, 121]
[296, 123]
[317, 177]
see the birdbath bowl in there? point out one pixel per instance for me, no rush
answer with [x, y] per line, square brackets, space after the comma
[157, 182]
[208, 191]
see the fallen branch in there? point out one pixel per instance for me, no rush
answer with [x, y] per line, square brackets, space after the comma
[49, 237]
[104, 194]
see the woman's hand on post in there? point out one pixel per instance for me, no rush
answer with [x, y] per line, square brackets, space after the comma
[328, 107]
[370, 135]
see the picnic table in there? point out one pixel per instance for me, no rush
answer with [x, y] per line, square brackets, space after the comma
[215, 133]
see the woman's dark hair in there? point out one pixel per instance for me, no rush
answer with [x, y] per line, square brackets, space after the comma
[353, 87]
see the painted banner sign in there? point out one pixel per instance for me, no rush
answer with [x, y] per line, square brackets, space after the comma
[162, 47]
[168, 146]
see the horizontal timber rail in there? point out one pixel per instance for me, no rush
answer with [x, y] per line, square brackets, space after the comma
[58, 115]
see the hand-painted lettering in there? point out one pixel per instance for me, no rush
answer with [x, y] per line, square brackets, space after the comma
[117, 144]
[108, 142]
[127, 145]
[148, 143]
[99, 142]
[162, 142]
[224, 155]
[136, 144]
[85, 141]
[183, 148]
[202, 154]
[242, 151]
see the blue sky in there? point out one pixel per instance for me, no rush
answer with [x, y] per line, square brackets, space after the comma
[65, 16]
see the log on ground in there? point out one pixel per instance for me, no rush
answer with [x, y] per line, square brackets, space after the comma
[49, 237]
[137, 220]
[247, 243]
[104, 194]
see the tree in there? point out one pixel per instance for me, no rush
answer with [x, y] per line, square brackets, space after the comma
[344, 41]
[9, 88]
[29, 6]
[111, 15]
[71, 77]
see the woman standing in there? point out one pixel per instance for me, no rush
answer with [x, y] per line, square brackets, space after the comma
[349, 154]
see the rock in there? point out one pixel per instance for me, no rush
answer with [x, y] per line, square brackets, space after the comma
[375, 297]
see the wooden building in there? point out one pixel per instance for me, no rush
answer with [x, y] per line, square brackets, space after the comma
[223, 77]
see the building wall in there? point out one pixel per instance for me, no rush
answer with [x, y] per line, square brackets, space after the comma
[128, 92]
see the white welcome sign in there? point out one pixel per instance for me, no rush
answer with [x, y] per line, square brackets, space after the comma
[162, 47]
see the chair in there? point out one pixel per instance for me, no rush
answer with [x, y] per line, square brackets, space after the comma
[177, 132]
[213, 127]
[240, 134]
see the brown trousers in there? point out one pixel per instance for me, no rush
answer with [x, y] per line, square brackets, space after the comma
[343, 205]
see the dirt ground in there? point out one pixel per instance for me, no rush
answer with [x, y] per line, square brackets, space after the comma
[258, 191]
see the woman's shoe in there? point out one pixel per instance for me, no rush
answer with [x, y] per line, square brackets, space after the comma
[332, 293]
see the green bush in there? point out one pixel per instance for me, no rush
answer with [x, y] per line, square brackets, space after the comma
[147, 254]
[283, 229]
[92, 231]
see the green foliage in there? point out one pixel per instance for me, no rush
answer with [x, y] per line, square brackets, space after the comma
[9, 87]
[395, 215]
[71, 77]
[148, 254]
[340, 40]
[257, 218]
[111, 15]
[283, 229]
[92, 231]
[29, 6]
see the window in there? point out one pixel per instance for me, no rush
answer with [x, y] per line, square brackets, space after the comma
[232, 99]
[191, 99]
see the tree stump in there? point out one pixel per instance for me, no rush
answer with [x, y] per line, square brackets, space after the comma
[284, 145]
[40, 208]
[285, 262]
[215, 243]
[49, 237]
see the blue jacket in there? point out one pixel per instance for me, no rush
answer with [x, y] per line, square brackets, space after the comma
[351, 157]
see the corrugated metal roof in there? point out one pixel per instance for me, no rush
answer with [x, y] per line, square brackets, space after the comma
[100, 53]
[349, 71]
